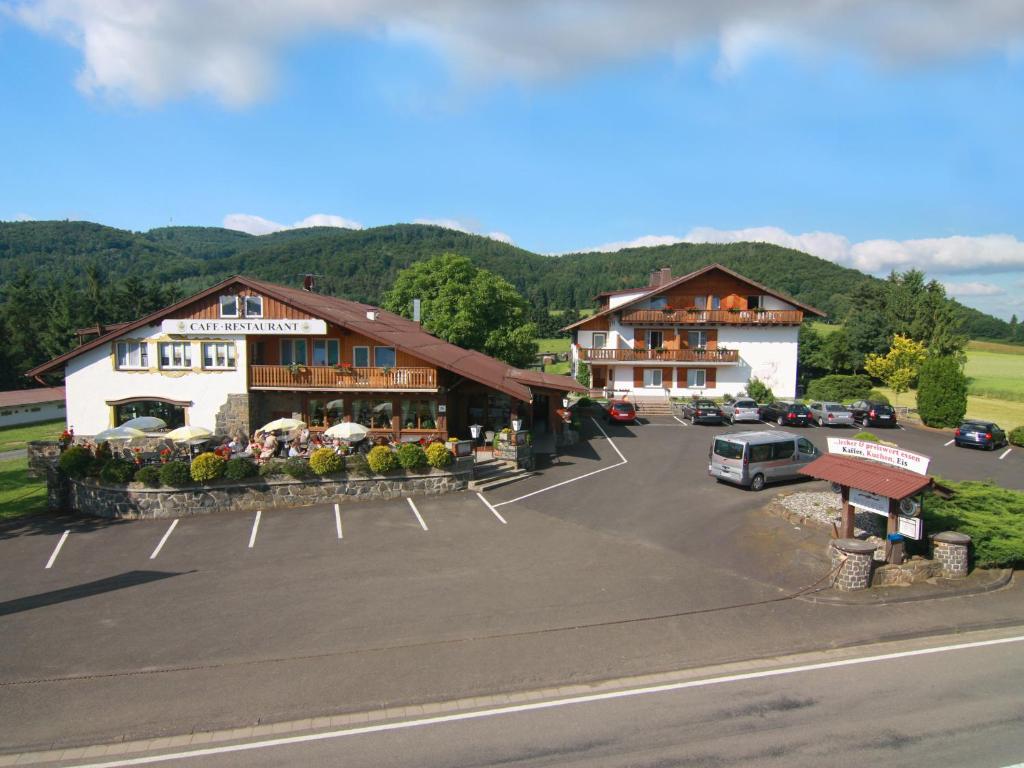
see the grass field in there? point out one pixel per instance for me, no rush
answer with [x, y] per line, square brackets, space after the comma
[995, 371]
[1006, 413]
[13, 438]
[554, 346]
[19, 494]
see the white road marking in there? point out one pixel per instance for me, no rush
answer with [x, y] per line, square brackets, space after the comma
[491, 507]
[255, 527]
[337, 520]
[543, 705]
[574, 479]
[166, 536]
[416, 512]
[946, 445]
[768, 423]
[56, 550]
[680, 421]
[1005, 453]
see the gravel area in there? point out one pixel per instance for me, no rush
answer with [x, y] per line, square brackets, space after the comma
[825, 508]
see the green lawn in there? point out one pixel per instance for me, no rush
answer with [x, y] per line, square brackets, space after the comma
[995, 374]
[1006, 413]
[553, 346]
[20, 495]
[12, 438]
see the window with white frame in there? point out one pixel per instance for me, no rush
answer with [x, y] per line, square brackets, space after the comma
[229, 306]
[132, 354]
[652, 377]
[219, 355]
[696, 378]
[253, 306]
[361, 357]
[384, 357]
[599, 341]
[697, 339]
[175, 354]
[293, 351]
[326, 352]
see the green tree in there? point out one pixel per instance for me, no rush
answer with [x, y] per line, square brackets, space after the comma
[834, 355]
[900, 365]
[942, 392]
[467, 306]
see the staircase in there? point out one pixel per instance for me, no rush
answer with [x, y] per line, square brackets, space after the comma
[652, 406]
[494, 473]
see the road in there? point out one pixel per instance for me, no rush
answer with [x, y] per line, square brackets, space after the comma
[954, 701]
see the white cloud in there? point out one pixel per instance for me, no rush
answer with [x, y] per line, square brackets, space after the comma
[647, 241]
[460, 226]
[973, 289]
[151, 51]
[257, 225]
[23, 217]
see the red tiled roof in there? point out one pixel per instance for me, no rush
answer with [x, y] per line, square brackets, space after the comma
[866, 475]
[31, 396]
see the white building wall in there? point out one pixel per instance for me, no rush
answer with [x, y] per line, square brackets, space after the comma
[618, 301]
[31, 414]
[91, 380]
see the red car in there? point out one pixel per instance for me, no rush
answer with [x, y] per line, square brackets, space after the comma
[620, 410]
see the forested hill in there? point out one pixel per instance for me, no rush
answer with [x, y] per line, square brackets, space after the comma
[62, 275]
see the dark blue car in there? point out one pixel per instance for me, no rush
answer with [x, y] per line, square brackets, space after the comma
[979, 434]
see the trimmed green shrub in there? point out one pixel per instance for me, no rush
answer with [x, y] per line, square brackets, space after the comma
[583, 402]
[941, 392]
[1016, 436]
[840, 388]
[356, 464]
[117, 471]
[297, 468]
[76, 461]
[583, 373]
[272, 468]
[992, 516]
[868, 436]
[206, 467]
[411, 456]
[759, 391]
[877, 397]
[240, 468]
[175, 473]
[382, 459]
[438, 455]
[324, 461]
[148, 475]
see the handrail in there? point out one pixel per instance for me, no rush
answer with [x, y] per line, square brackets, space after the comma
[667, 355]
[333, 377]
[715, 316]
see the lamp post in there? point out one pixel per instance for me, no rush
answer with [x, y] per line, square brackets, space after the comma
[474, 431]
[516, 424]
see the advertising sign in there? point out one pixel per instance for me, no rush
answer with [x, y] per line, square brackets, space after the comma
[910, 527]
[249, 327]
[871, 502]
[896, 457]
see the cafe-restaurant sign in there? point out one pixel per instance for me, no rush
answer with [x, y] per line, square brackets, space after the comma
[251, 327]
[896, 457]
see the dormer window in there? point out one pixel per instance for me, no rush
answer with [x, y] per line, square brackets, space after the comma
[229, 306]
[254, 306]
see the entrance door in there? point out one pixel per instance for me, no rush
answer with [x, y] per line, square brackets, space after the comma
[540, 414]
[598, 377]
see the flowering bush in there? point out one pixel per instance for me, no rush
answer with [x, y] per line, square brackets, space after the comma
[411, 456]
[438, 455]
[324, 461]
[382, 459]
[207, 466]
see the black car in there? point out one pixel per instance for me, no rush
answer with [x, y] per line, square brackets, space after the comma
[980, 434]
[869, 413]
[703, 412]
[786, 414]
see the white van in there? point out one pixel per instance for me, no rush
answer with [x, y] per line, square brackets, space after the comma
[753, 459]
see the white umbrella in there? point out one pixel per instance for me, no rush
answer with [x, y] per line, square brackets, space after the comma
[145, 422]
[118, 433]
[184, 434]
[278, 425]
[347, 430]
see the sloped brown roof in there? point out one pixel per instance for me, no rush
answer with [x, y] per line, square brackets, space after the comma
[866, 475]
[15, 397]
[388, 328]
[650, 291]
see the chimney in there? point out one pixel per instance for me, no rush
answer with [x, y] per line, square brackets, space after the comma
[416, 310]
[371, 314]
[655, 279]
[666, 275]
[308, 282]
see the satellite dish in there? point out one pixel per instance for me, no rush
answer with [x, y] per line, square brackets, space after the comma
[910, 507]
[836, 488]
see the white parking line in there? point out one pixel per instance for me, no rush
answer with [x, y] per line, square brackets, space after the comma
[337, 520]
[946, 445]
[255, 527]
[167, 535]
[768, 423]
[56, 550]
[490, 507]
[680, 421]
[416, 512]
[1005, 453]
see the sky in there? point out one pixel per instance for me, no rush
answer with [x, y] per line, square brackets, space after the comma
[879, 135]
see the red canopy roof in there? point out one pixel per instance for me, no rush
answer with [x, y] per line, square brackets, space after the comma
[867, 475]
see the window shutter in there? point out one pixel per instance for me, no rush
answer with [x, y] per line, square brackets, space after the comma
[710, 380]
[713, 339]
[640, 340]
[666, 377]
[638, 376]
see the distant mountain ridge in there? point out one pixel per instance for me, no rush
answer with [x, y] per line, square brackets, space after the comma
[361, 264]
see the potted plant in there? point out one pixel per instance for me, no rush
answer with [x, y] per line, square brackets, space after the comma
[344, 369]
[295, 369]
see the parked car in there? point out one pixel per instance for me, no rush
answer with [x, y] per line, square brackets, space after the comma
[980, 434]
[786, 414]
[753, 459]
[743, 409]
[831, 414]
[869, 413]
[622, 411]
[703, 412]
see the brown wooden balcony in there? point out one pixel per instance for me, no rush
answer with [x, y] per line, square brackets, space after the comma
[713, 317]
[712, 356]
[333, 378]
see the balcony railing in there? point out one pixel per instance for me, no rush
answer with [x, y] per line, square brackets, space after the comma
[331, 377]
[713, 316]
[717, 356]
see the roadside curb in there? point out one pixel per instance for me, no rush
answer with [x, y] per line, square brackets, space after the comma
[876, 596]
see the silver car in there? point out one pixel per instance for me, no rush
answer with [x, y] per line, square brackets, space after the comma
[754, 459]
[831, 414]
[743, 409]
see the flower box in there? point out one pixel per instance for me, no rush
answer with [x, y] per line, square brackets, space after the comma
[462, 448]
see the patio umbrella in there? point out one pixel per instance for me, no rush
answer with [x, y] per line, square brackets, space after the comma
[145, 422]
[347, 430]
[184, 434]
[279, 425]
[118, 433]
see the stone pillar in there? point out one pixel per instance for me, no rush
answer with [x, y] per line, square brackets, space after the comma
[856, 557]
[952, 551]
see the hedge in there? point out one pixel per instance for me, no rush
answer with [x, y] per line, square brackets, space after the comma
[148, 475]
[76, 461]
[296, 468]
[239, 469]
[324, 461]
[117, 471]
[411, 456]
[1016, 436]
[175, 473]
[941, 392]
[206, 467]
[382, 459]
[438, 455]
[840, 388]
[992, 516]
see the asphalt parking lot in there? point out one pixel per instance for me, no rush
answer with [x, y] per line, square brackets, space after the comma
[624, 557]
